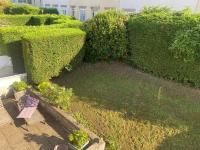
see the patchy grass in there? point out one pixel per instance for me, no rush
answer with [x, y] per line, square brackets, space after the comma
[137, 110]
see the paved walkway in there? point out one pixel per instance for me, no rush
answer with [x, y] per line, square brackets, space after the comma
[40, 136]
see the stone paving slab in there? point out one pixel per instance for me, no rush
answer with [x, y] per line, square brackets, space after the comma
[40, 136]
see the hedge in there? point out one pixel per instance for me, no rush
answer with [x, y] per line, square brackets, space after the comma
[67, 24]
[11, 20]
[15, 9]
[10, 43]
[21, 20]
[46, 55]
[151, 36]
[49, 11]
[106, 36]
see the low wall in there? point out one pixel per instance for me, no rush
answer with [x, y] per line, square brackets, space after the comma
[69, 123]
[6, 83]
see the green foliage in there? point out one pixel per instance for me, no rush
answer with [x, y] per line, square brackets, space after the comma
[21, 9]
[112, 144]
[186, 45]
[56, 95]
[151, 36]
[60, 23]
[20, 86]
[78, 138]
[46, 55]
[157, 9]
[106, 36]
[49, 11]
[14, 20]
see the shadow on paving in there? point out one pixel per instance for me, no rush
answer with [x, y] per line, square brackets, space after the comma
[138, 96]
[47, 142]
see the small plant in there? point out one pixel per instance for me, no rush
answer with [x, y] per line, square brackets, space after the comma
[78, 138]
[44, 88]
[56, 95]
[20, 86]
[112, 143]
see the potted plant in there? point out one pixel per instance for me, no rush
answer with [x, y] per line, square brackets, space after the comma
[78, 140]
[19, 89]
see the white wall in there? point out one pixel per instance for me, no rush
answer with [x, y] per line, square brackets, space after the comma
[6, 83]
[6, 66]
[59, 3]
[127, 4]
[174, 4]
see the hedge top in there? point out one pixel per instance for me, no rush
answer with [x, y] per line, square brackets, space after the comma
[54, 32]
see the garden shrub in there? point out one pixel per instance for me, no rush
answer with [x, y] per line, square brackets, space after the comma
[186, 45]
[3, 5]
[156, 9]
[151, 36]
[49, 11]
[14, 20]
[10, 43]
[20, 86]
[22, 20]
[67, 24]
[21, 9]
[106, 36]
[38, 20]
[56, 95]
[46, 55]
[78, 138]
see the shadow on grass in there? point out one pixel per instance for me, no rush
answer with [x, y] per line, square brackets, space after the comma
[164, 104]
[185, 141]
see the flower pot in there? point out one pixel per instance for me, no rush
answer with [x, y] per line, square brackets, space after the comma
[18, 94]
[72, 147]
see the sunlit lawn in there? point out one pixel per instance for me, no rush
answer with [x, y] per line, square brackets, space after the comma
[137, 110]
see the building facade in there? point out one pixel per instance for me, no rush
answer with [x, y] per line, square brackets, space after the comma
[61, 5]
[194, 5]
[85, 9]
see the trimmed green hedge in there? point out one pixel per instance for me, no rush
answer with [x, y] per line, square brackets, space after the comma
[106, 36]
[67, 24]
[46, 55]
[150, 37]
[15, 9]
[21, 20]
[10, 43]
[14, 20]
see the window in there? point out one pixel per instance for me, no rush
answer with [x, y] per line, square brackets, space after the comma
[21, 1]
[54, 5]
[63, 6]
[63, 9]
[129, 11]
[82, 16]
[94, 11]
[47, 5]
[73, 11]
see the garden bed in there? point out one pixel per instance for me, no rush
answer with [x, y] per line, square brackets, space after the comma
[69, 123]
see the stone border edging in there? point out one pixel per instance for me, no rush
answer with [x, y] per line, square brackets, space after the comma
[69, 122]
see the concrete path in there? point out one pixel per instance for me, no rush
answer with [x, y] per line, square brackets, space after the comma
[39, 136]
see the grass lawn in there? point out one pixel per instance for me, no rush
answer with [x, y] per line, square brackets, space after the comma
[136, 109]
